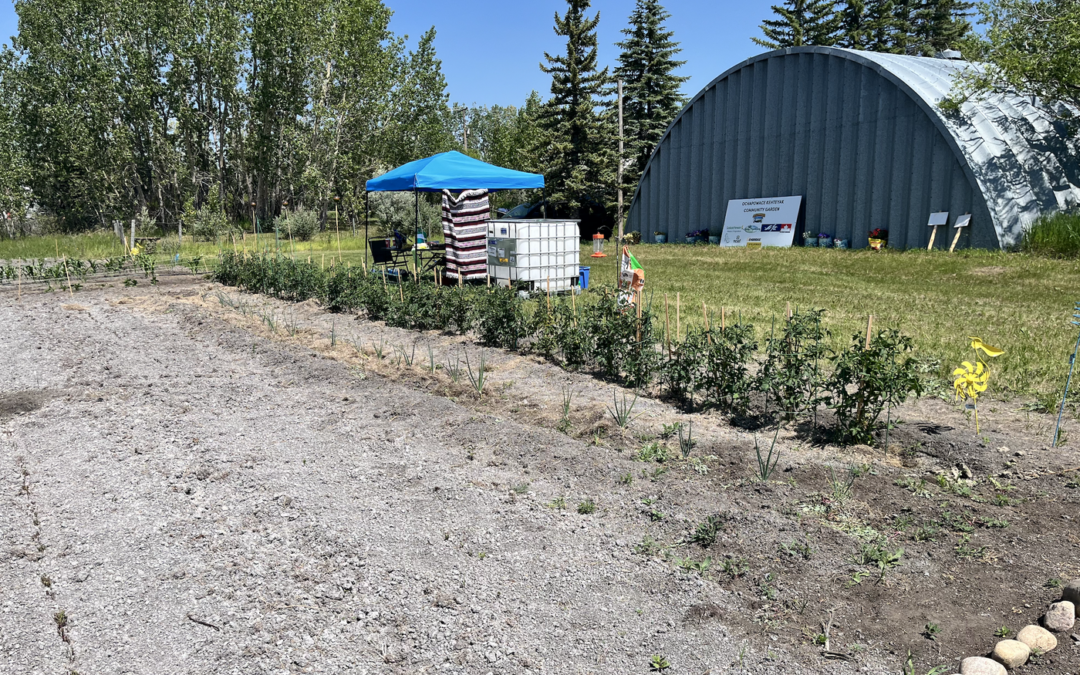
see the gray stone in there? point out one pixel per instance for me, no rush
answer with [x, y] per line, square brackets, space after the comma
[978, 665]
[1061, 617]
[1071, 592]
[1038, 639]
[1011, 653]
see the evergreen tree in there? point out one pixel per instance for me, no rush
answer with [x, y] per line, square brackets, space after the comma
[880, 26]
[651, 97]
[853, 25]
[869, 25]
[577, 149]
[941, 25]
[799, 23]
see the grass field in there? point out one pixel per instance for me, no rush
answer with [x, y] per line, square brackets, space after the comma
[1019, 302]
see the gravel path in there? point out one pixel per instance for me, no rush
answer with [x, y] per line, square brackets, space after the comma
[194, 498]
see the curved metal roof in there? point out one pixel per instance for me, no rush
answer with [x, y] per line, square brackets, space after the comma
[1023, 160]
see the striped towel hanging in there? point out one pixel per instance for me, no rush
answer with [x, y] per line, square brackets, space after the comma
[464, 223]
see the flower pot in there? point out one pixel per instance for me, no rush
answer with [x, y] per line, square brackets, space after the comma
[824, 243]
[840, 243]
[810, 243]
[661, 238]
[714, 240]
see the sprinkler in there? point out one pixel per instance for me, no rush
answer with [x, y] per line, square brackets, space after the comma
[1072, 362]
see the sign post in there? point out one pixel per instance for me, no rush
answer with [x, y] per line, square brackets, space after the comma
[754, 223]
[961, 222]
[936, 220]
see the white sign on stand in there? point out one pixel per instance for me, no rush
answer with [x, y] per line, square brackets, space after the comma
[769, 221]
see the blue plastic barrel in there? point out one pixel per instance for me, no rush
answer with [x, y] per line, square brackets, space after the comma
[583, 277]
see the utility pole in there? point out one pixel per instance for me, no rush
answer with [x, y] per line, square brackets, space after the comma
[618, 213]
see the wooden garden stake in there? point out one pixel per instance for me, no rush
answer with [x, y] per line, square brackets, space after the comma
[869, 326]
[549, 294]
[961, 222]
[573, 303]
[639, 317]
[384, 279]
[435, 276]
[723, 320]
[667, 326]
[678, 328]
[936, 219]
[789, 311]
[705, 313]
[401, 289]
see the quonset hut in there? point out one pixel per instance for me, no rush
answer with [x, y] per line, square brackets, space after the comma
[861, 137]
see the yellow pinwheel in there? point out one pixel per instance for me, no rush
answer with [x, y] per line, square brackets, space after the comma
[970, 380]
[979, 346]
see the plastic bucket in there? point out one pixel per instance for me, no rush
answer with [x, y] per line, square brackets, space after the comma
[714, 239]
[583, 276]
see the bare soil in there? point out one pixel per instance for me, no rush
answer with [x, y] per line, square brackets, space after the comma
[193, 479]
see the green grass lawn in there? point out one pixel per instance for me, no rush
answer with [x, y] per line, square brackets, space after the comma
[1018, 302]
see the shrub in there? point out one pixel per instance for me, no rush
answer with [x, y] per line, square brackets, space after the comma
[501, 318]
[300, 225]
[1056, 235]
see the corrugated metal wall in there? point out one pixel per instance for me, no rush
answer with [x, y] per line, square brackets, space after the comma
[858, 149]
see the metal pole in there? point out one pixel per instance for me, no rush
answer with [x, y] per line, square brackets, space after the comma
[618, 216]
[619, 212]
[416, 233]
[1072, 362]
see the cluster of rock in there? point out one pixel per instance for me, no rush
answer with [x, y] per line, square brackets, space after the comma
[1059, 618]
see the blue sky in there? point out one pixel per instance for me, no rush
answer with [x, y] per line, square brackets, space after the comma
[491, 49]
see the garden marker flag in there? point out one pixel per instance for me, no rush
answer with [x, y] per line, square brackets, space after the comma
[633, 274]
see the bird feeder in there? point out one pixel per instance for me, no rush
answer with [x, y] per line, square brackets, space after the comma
[598, 246]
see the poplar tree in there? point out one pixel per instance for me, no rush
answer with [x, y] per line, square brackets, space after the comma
[651, 97]
[799, 23]
[577, 148]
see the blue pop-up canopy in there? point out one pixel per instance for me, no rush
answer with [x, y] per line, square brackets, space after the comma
[448, 171]
[453, 171]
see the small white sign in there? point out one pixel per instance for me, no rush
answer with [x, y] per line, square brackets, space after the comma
[769, 221]
[963, 221]
[939, 219]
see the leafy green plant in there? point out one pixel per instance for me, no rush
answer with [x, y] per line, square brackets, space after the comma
[652, 452]
[841, 489]
[1003, 632]
[586, 507]
[798, 549]
[867, 380]
[669, 430]
[622, 413]
[725, 382]
[878, 555]
[931, 630]
[704, 534]
[658, 663]
[790, 375]
[735, 567]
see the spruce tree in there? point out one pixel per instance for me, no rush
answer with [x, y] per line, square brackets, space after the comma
[799, 23]
[578, 152]
[651, 97]
[853, 25]
[869, 25]
[941, 25]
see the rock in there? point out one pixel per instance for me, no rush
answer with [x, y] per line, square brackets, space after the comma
[978, 665]
[1061, 617]
[1012, 653]
[1037, 638]
[1071, 592]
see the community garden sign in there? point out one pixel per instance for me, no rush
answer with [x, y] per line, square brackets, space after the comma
[754, 223]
